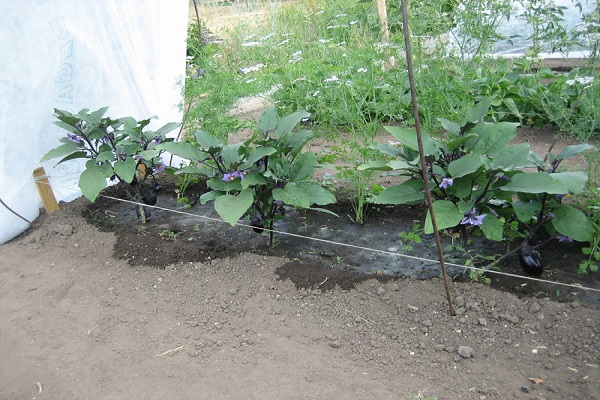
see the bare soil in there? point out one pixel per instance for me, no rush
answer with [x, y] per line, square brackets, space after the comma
[97, 306]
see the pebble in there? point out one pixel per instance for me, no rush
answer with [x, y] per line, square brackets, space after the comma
[466, 351]
[460, 311]
[459, 301]
[336, 344]
[534, 307]
[510, 318]
[63, 229]
[482, 321]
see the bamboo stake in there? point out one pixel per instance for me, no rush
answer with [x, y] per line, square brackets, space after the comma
[45, 190]
[413, 93]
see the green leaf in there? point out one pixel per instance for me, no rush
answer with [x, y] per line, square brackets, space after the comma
[60, 151]
[492, 137]
[184, 150]
[525, 212]
[479, 111]
[512, 106]
[210, 196]
[288, 123]
[573, 223]
[93, 179]
[218, 184]
[574, 181]
[253, 178]
[125, 170]
[231, 155]
[400, 165]
[452, 127]
[163, 130]
[67, 126]
[492, 228]
[404, 193]
[293, 194]
[446, 216]
[317, 193]
[378, 165]
[105, 156]
[256, 155]
[98, 114]
[73, 156]
[573, 150]
[536, 182]
[408, 137]
[303, 167]
[454, 144]
[386, 149]
[465, 165]
[268, 120]
[512, 157]
[208, 142]
[232, 207]
[296, 140]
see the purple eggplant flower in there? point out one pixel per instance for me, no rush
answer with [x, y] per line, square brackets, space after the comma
[446, 182]
[564, 239]
[158, 139]
[158, 168]
[228, 177]
[473, 219]
[74, 138]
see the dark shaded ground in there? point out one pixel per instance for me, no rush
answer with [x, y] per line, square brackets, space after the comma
[324, 251]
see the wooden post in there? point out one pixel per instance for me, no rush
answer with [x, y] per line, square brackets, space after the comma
[45, 190]
[385, 32]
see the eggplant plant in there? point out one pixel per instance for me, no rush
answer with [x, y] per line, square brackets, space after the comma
[255, 179]
[117, 149]
[483, 184]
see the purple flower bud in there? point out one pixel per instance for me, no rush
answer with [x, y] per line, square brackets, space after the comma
[74, 138]
[564, 239]
[158, 139]
[108, 138]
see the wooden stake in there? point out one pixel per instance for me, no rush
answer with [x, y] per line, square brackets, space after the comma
[45, 190]
[385, 32]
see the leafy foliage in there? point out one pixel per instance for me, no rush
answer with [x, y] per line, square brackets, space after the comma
[116, 148]
[481, 183]
[255, 179]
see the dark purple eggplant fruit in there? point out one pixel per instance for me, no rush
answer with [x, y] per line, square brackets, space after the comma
[148, 197]
[530, 261]
[256, 223]
[156, 186]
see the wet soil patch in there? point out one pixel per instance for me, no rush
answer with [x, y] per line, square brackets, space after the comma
[324, 251]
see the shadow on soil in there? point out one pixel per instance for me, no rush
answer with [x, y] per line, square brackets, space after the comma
[324, 251]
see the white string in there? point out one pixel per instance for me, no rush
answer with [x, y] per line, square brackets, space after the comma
[472, 268]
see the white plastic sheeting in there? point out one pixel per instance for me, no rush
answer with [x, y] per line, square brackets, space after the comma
[73, 54]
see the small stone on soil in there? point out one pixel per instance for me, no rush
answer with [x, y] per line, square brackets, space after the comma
[466, 352]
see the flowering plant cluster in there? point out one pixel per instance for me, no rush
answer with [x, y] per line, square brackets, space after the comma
[482, 183]
[255, 179]
[116, 148]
